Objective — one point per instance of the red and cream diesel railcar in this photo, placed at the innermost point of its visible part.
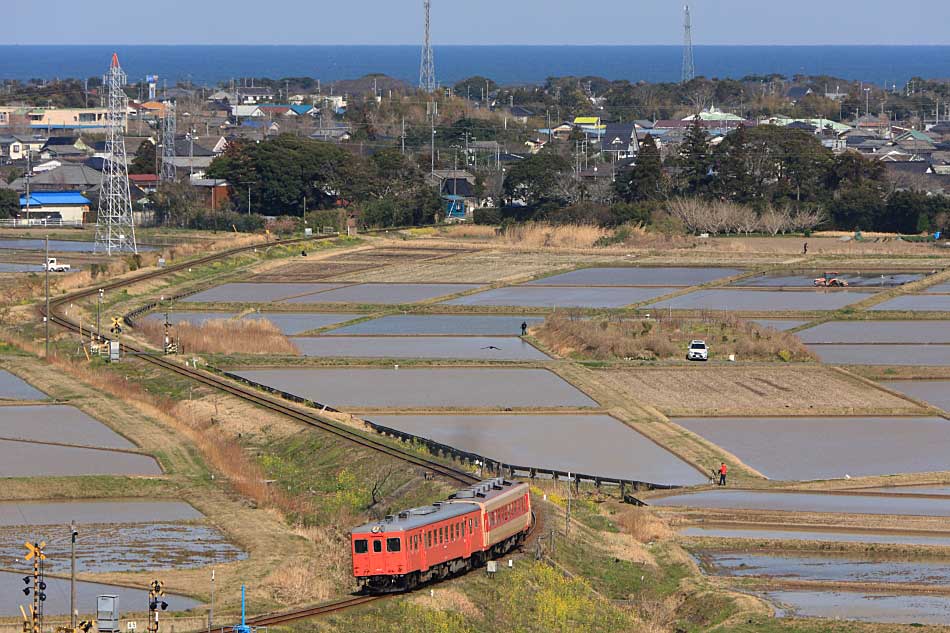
(433, 542)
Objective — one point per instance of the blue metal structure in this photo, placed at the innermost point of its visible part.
(242, 627)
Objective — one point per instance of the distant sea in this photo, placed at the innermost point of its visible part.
(209, 65)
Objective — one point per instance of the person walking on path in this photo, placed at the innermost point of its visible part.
(722, 474)
(524, 328)
(805, 249)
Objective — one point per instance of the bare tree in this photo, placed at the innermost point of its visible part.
(807, 219)
(378, 482)
(774, 220)
(689, 211)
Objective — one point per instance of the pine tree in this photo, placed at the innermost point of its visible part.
(144, 161)
(694, 159)
(643, 181)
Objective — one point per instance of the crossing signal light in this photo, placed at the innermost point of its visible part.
(116, 325)
(26, 591)
(42, 585)
(42, 597)
(27, 579)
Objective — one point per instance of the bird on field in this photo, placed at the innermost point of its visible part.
(492, 347)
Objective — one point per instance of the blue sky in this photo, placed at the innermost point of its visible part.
(476, 22)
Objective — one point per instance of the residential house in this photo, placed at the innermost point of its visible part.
(332, 132)
(66, 177)
(71, 119)
(241, 112)
(520, 114)
(68, 206)
(148, 183)
(66, 148)
(252, 95)
(797, 93)
(13, 148)
(213, 192)
(619, 141)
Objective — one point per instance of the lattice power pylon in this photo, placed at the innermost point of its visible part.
(168, 143)
(115, 228)
(427, 66)
(689, 69)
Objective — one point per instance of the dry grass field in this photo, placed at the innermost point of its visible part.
(753, 390)
(222, 336)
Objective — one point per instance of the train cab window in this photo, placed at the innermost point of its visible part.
(377, 546)
(393, 545)
(361, 546)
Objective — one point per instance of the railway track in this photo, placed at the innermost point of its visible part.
(249, 394)
(252, 395)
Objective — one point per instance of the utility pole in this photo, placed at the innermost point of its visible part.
(46, 317)
(567, 514)
(403, 137)
(99, 315)
(74, 532)
(432, 145)
(211, 611)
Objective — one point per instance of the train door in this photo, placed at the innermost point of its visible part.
(377, 548)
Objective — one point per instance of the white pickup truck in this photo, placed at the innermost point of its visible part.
(56, 267)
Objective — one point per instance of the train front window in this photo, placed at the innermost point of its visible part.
(361, 546)
(377, 546)
(393, 545)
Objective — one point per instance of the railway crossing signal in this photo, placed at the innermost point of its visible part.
(34, 552)
(156, 599)
(116, 325)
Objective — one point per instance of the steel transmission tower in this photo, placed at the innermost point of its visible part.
(168, 143)
(427, 66)
(115, 229)
(689, 70)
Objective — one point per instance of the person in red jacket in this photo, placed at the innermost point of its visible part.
(722, 474)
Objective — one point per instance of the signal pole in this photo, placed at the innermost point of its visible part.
(74, 532)
(34, 552)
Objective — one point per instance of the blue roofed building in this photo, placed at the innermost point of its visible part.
(70, 207)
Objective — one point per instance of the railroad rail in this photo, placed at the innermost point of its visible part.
(247, 393)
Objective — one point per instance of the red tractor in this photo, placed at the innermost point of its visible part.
(830, 280)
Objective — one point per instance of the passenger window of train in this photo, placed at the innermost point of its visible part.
(361, 546)
(393, 545)
(429, 538)
(441, 536)
(377, 546)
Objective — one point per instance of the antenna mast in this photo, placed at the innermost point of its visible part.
(427, 66)
(689, 70)
(115, 230)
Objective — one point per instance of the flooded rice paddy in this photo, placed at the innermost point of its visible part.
(291, 323)
(25, 459)
(420, 388)
(126, 548)
(845, 605)
(57, 596)
(935, 392)
(943, 288)
(830, 447)
(60, 246)
(94, 511)
(878, 332)
(630, 276)
(8, 267)
(562, 296)
(588, 444)
(385, 293)
(430, 347)
(943, 491)
(439, 324)
(827, 568)
(807, 279)
(824, 536)
(12, 387)
(925, 355)
(807, 502)
(58, 424)
(917, 303)
(252, 292)
(763, 300)
(780, 325)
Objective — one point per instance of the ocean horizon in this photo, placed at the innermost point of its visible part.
(210, 65)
